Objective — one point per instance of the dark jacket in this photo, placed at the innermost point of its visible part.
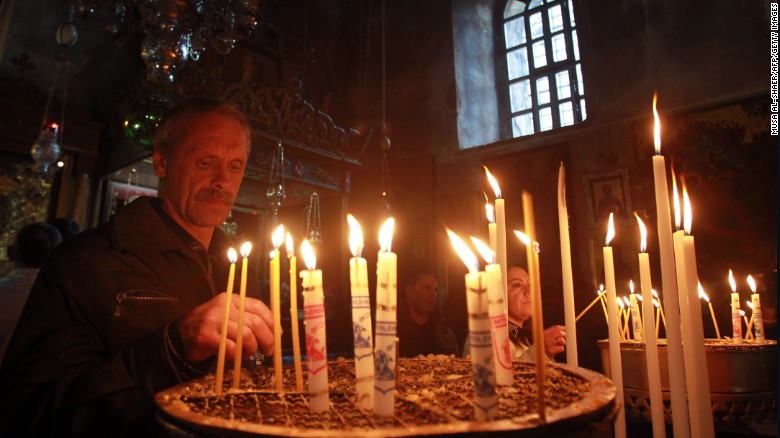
(98, 336)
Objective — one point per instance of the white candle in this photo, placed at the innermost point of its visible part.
(736, 322)
(502, 358)
(314, 323)
(386, 302)
(699, 405)
(500, 231)
(566, 272)
(275, 283)
(485, 402)
(636, 319)
(651, 342)
(362, 337)
(615, 364)
(491, 217)
(232, 257)
(246, 248)
(532, 254)
(673, 329)
(294, 313)
(758, 317)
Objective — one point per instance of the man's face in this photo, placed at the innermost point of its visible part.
(423, 294)
(204, 171)
(519, 294)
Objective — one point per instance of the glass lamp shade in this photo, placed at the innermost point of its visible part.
(67, 34)
(142, 120)
(46, 150)
(163, 53)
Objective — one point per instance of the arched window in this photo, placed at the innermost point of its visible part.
(543, 71)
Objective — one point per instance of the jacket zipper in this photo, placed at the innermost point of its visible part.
(125, 296)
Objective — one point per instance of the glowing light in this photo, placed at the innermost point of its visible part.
(355, 236)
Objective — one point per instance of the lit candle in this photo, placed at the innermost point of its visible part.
(736, 323)
(314, 323)
(622, 319)
(706, 298)
(532, 254)
(232, 257)
(651, 338)
(500, 231)
(675, 356)
(658, 313)
(592, 303)
(246, 248)
(274, 271)
(749, 322)
(697, 376)
(758, 317)
(502, 358)
(636, 320)
(294, 312)
(485, 403)
(744, 318)
(362, 337)
(603, 298)
(491, 217)
(615, 365)
(566, 271)
(386, 301)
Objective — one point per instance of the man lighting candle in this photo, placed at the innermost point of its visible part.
(151, 314)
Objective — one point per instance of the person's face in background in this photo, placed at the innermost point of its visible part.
(423, 294)
(519, 295)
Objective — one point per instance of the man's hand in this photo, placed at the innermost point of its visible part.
(200, 329)
(554, 340)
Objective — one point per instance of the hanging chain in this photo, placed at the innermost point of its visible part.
(313, 219)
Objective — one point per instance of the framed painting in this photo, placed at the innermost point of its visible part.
(607, 192)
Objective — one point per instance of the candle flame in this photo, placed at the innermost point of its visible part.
(278, 236)
(493, 182)
(232, 255)
(386, 235)
(621, 303)
(309, 259)
(732, 282)
(703, 294)
(750, 304)
(523, 237)
(742, 312)
(465, 254)
(601, 287)
(484, 250)
(639, 297)
(600, 291)
(642, 233)
(355, 236)
(656, 126)
(246, 248)
(687, 212)
(676, 201)
(631, 285)
(491, 215)
(655, 294)
(751, 283)
(626, 300)
(656, 303)
(610, 228)
(289, 244)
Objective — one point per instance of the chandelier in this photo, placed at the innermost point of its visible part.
(175, 30)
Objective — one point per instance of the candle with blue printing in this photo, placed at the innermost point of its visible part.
(757, 317)
(314, 323)
(615, 364)
(386, 323)
(677, 387)
(498, 322)
(736, 322)
(233, 258)
(246, 248)
(362, 337)
(485, 402)
(651, 337)
(275, 283)
(294, 312)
